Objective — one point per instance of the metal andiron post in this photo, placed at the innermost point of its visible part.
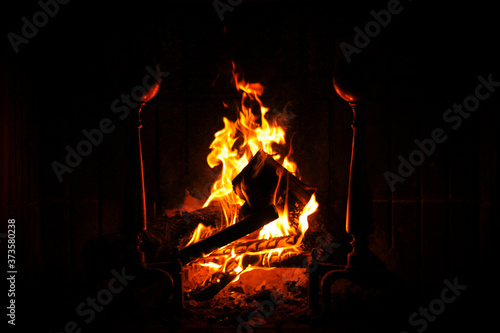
(134, 221)
(359, 221)
(352, 82)
(151, 288)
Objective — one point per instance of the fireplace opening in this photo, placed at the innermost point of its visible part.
(260, 232)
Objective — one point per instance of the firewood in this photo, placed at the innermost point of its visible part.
(257, 182)
(253, 246)
(221, 278)
(219, 282)
(230, 234)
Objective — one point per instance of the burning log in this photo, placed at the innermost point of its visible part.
(254, 246)
(218, 282)
(263, 178)
(208, 216)
(222, 278)
(230, 234)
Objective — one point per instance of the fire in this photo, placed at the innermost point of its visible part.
(232, 148)
(255, 137)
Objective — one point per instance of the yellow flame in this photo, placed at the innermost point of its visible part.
(199, 233)
(211, 265)
(233, 147)
(310, 208)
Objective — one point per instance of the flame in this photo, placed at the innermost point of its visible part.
(232, 148)
(310, 208)
(211, 265)
(199, 233)
(255, 137)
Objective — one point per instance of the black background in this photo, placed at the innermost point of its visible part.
(438, 224)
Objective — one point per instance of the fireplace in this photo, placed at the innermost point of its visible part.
(96, 252)
(255, 222)
(255, 216)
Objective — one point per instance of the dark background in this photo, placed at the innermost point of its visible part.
(440, 223)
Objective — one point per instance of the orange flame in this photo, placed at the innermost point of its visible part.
(255, 137)
(252, 133)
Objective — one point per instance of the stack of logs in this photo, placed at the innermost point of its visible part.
(263, 184)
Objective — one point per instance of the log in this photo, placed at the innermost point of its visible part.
(208, 216)
(230, 234)
(257, 182)
(220, 279)
(208, 292)
(254, 246)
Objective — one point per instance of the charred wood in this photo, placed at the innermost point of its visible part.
(253, 246)
(230, 234)
(264, 180)
(222, 278)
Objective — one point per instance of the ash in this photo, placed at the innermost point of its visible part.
(268, 296)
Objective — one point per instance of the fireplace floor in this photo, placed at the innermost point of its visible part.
(259, 296)
(263, 301)
(268, 300)
(276, 323)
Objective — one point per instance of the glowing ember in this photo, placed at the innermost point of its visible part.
(233, 147)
